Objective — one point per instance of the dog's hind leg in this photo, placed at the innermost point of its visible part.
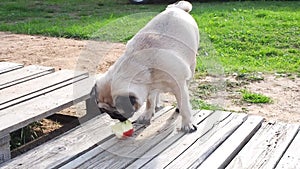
(151, 103)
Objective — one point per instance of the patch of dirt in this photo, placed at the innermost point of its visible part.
(59, 53)
(97, 57)
(284, 91)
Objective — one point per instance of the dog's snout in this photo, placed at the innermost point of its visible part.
(117, 115)
(114, 114)
(126, 105)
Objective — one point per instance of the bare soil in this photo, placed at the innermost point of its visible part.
(96, 57)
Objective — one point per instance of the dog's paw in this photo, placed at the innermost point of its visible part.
(190, 128)
(145, 118)
(157, 108)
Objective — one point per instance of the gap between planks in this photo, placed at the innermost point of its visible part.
(37, 87)
(23, 74)
(40, 107)
(8, 66)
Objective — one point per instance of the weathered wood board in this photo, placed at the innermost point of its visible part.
(266, 147)
(64, 147)
(40, 107)
(205, 129)
(291, 158)
(166, 143)
(227, 151)
(68, 146)
(116, 153)
(203, 147)
(7, 66)
(4, 148)
(22, 75)
(25, 91)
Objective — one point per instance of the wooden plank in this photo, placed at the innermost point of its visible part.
(23, 74)
(226, 152)
(64, 147)
(266, 147)
(68, 146)
(40, 107)
(8, 66)
(98, 149)
(208, 126)
(163, 145)
(4, 149)
(114, 152)
(204, 147)
(291, 158)
(36, 87)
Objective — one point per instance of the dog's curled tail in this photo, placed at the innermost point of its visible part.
(184, 5)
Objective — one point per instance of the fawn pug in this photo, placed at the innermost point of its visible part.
(161, 57)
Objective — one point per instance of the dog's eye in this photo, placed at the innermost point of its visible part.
(132, 100)
(102, 110)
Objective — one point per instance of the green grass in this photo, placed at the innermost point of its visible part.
(251, 97)
(198, 104)
(72, 19)
(252, 36)
(238, 37)
(25, 135)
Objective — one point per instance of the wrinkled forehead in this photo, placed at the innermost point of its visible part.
(100, 99)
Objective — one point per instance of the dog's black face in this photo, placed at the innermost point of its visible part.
(125, 108)
(106, 107)
(126, 105)
(122, 108)
(114, 114)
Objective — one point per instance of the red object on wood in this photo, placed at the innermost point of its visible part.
(128, 133)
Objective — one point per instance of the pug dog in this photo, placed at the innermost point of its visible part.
(161, 57)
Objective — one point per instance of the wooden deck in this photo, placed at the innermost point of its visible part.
(223, 140)
(29, 94)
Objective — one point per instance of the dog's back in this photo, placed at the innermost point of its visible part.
(173, 29)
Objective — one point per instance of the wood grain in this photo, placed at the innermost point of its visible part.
(205, 128)
(291, 158)
(4, 149)
(66, 146)
(266, 147)
(89, 156)
(116, 153)
(163, 145)
(203, 147)
(227, 151)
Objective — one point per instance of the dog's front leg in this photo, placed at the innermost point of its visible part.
(145, 118)
(185, 110)
(158, 106)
